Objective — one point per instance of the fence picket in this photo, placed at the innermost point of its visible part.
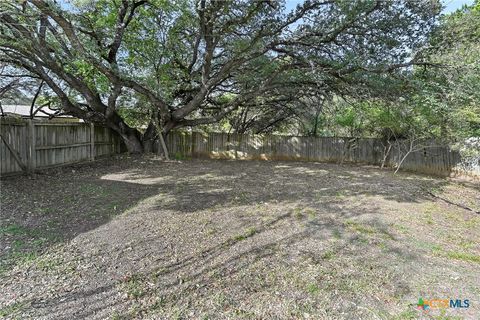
(440, 160)
(43, 144)
(51, 144)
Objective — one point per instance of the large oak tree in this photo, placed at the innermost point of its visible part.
(186, 63)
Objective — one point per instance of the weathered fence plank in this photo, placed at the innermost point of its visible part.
(13, 135)
(42, 144)
(437, 160)
(15, 154)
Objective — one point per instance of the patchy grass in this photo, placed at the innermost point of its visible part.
(12, 309)
(313, 288)
(464, 256)
(328, 255)
(134, 286)
(247, 234)
(23, 244)
(141, 238)
(14, 229)
(361, 228)
(298, 213)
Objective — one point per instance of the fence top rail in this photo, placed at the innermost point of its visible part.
(13, 121)
(62, 124)
(429, 143)
(206, 134)
(55, 121)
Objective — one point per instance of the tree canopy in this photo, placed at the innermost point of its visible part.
(439, 100)
(187, 63)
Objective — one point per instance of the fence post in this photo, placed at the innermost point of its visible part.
(92, 142)
(118, 143)
(31, 147)
(193, 136)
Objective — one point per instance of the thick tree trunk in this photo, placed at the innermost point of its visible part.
(133, 143)
(130, 136)
(138, 143)
(148, 138)
(148, 145)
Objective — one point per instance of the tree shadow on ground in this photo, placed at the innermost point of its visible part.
(246, 183)
(308, 198)
(58, 205)
(202, 271)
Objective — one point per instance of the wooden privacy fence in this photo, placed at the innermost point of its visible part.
(273, 147)
(434, 159)
(26, 145)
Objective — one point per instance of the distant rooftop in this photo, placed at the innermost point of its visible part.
(24, 111)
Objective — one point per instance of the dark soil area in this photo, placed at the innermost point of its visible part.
(143, 238)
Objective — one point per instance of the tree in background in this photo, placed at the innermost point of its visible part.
(188, 63)
(439, 101)
(454, 89)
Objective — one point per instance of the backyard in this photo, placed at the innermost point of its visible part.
(137, 237)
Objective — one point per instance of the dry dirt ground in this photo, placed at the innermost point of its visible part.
(142, 238)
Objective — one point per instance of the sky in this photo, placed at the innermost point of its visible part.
(450, 5)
